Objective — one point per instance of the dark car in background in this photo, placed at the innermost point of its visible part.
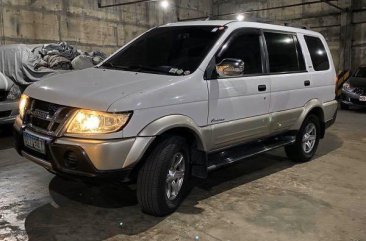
(354, 90)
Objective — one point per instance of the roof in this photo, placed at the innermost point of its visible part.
(200, 23)
(238, 24)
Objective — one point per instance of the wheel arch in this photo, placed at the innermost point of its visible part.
(177, 125)
(312, 107)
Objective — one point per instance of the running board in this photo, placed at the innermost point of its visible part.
(235, 154)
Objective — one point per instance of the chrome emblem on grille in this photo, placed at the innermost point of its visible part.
(41, 114)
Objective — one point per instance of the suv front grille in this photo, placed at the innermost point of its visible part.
(46, 117)
(360, 91)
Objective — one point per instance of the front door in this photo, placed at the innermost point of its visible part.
(239, 105)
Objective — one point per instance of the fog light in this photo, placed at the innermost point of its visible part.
(71, 160)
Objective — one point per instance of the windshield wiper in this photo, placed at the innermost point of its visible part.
(110, 65)
(138, 68)
(149, 69)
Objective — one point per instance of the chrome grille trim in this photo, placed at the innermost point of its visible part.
(47, 118)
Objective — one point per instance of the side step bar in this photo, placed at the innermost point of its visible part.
(235, 154)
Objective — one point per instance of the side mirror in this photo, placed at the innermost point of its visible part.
(230, 68)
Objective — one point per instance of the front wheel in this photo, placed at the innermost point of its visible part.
(307, 141)
(162, 180)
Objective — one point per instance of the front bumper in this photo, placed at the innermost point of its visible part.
(352, 99)
(84, 158)
(8, 112)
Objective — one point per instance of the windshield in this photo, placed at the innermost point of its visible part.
(167, 50)
(361, 73)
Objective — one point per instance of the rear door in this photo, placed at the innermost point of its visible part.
(289, 78)
(238, 106)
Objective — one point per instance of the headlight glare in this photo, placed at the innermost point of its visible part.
(23, 103)
(95, 122)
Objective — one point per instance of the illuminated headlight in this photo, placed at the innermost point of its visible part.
(23, 103)
(14, 93)
(94, 122)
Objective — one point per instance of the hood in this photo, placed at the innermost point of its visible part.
(357, 82)
(95, 88)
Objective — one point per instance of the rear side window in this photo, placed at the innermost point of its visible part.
(318, 53)
(284, 53)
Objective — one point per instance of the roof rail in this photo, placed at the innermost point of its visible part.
(294, 25)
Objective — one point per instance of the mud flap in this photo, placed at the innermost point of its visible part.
(199, 164)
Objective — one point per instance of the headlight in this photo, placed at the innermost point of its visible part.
(94, 122)
(23, 103)
(347, 86)
(14, 93)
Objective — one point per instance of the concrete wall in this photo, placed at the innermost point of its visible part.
(82, 23)
(319, 17)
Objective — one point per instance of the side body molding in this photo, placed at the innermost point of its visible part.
(170, 122)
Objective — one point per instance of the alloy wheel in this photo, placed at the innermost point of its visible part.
(175, 176)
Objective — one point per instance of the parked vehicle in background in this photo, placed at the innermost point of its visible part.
(354, 90)
(9, 99)
(179, 101)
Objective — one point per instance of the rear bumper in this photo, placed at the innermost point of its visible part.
(329, 123)
(105, 159)
(330, 112)
(8, 112)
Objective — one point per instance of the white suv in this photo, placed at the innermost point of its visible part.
(181, 100)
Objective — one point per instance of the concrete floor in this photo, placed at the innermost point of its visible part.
(263, 198)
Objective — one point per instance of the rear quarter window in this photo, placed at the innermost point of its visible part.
(318, 53)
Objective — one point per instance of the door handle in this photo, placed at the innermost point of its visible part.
(307, 82)
(262, 88)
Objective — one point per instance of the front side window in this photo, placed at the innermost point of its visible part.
(167, 50)
(284, 53)
(318, 53)
(245, 47)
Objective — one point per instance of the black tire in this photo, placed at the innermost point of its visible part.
(296, 152)
(344, 106)
(152, 177)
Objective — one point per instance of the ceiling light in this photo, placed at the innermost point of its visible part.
(240, 17)
(164, 4)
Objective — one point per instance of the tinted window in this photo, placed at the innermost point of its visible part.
(167, 50)
(284, 53)
(318, 54)
(245, 46)
(361, 72)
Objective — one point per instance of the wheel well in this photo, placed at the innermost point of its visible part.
(191, 137)
(320, 114)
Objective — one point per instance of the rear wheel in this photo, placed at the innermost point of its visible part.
(162, 180)
(307, 141)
